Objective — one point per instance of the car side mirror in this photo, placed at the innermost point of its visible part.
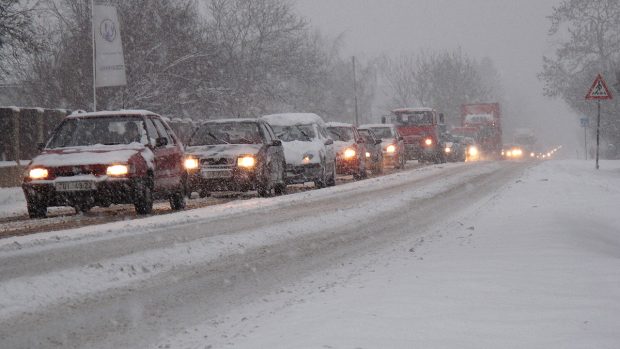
(277, 143)
(40, 146)
(377, 141)
(161, 142)
(401, 138)
(360, 141)
(329, 141)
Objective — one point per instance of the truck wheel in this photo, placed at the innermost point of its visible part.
(36, 209)
(143, 197)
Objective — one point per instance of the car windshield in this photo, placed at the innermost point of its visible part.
(462, 132)
(290, 133)
(414, 118)
(382, 132)
(367, 136)
(75, 132)
(226, 133)
(344, 134)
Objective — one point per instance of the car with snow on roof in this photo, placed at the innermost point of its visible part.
(308, 150)
(392, 143)
(107, 157)
(235, 155)
(350, 149)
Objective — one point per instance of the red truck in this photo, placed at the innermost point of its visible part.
(421, 129)
(486, 119)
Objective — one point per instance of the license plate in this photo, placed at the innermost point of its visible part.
(74, 186)
(216, 173)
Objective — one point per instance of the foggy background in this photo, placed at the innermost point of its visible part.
(513, 34)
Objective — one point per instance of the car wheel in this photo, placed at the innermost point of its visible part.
(203, 193)
(280, 189)
(177, 201)
(36, 209)
(143, 197)
(332, 179)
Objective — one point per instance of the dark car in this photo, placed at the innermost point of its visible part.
(455, 148)
(374, 150)
(392, 143)
(235, 155)
(104, 158)
(350, 149)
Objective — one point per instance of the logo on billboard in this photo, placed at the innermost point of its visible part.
(107, 29)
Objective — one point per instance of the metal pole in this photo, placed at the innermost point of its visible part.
(355, 92)
(598, 129)
(585, 140)
(92, 10)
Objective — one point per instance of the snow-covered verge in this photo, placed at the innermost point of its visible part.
(12, 202)
(535, 266)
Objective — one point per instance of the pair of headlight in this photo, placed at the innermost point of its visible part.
(112, 170)
(245, 161)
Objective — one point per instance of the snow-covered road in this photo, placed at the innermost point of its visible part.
(293, 271)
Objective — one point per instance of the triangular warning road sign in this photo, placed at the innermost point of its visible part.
(599, 89)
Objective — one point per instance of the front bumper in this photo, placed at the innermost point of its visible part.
(103, 193)
(235, 180)
(299, 174)
(347, 166)
(418, 152)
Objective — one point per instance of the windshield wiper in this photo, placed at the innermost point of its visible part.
(217, 139)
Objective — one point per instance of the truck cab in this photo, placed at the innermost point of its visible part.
(421, 129)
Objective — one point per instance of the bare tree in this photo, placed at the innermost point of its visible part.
(592, 46)
(17, 33)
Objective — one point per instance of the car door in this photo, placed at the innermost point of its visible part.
(168, 158)
(272, 159)
(330, 152)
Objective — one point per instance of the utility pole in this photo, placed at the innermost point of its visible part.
(355, 93)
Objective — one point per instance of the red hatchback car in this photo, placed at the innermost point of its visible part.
(104, 158)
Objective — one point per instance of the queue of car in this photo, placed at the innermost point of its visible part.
(135, 157)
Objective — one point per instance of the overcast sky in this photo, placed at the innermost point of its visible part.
(513, 33)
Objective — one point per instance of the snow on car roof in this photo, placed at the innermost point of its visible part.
(229, 120)
(286, 119)
(82, 114)
(375, 125)
(409, 110)
(337, 124)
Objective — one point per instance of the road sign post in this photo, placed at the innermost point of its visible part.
(598, 92)
(585, 122)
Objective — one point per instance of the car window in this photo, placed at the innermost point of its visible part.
(161, 130)
(99, 130)
(152, 131)
(213, 133)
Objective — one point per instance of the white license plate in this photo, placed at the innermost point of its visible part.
(216, 174)
(74, 186)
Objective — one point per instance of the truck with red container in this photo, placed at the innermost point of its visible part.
(421, 129)
(485, 118)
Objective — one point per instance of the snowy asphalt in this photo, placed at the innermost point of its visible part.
(133, 284)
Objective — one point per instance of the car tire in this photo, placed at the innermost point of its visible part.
(143, 197)
(177, 201)
(332, 179)
(36, 209)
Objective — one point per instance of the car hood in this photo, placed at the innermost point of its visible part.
(223, 150)
(294, 151)
(339, 146)
(91, 155)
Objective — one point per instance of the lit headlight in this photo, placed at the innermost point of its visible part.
(191, 164)
(390, 148)
(117, 170)
(509, 153)
(473, 151)
(428, 141)
(367, 154)
(38, 173)
(517, 152)
(532, 155)
(447, 150)
(247, 161)
(349, 153)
